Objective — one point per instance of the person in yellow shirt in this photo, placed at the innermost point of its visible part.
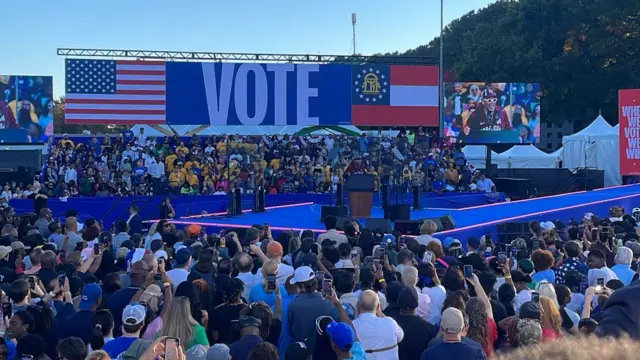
(275, 163)
(192, 178)
(176, 179)
(182, 149)
(169, 161)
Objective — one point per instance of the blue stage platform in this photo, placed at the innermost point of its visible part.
(470, 221)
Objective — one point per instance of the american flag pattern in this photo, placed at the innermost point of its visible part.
(124, 92)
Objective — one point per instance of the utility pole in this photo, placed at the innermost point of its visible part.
(353, 25)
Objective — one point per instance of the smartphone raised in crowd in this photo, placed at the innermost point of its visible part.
(61, 279)
(594, 234)
(599, 285)
(427, 257)
(171, 346)
(468, 271)
(32, 281)
(376, 264)
(327, 287)
(96, 249)
(535, 296)
(271, 282)
(502, 258)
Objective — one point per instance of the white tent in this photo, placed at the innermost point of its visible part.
(528, 156)
(477, 155)
(596, 146)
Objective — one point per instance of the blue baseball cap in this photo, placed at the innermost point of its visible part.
(389, 239)
(182, 256)
(342, 335)
(91, 293)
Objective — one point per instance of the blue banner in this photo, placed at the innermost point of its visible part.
(258, 94)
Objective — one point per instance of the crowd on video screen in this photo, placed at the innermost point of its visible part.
(478, 112)
(26, 102)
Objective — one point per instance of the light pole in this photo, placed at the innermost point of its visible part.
(441, 72)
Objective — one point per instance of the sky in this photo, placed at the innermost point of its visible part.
(249, 26)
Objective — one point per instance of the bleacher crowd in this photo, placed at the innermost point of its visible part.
(137, 164)
(73, 290)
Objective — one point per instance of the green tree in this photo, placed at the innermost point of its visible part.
(580, 51)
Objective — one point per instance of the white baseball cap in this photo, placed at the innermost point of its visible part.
(302, 274)
(133, 314)
(588, 216)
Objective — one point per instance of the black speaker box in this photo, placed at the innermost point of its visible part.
(400, 212)
(336, 211)
(408, 227)
(340, 221)
(374, 223)
(447, 222)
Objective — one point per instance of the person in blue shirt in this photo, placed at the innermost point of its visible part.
(127, 136)
(622, 269)
(543, 261)
(344, 341)
(286, 338)
(139, 171)
(259, 292)
(81, 323)
(453, 329)
(132, 322)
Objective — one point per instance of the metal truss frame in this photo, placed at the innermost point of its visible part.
(248, 57)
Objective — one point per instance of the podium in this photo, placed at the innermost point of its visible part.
(360, 188)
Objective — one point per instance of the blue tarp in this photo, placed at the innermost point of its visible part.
(111, 209)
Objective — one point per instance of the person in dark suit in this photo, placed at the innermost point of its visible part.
(135, 221)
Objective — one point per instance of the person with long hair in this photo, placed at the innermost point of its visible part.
(322, 342)
(570, 319)
(188, 290)
(103, 331)
(551, 319)
(222, 316)
(506, 296)
(477, 331)
(261, 292)
(269, 329)
(179, 323)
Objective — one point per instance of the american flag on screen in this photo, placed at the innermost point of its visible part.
(115, 92)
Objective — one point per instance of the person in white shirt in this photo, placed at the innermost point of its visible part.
(379, 335)
(523, 293)
(330, 223)
(244, 263)
(485, 185)
(180, 271)
(427, 229)
(436, 292)
(345, 261)
(6, 193)
(71, 174)
(141, 139)
(410, 279)
(275, 252)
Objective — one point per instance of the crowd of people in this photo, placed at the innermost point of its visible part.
(137, 164)
(72, 290)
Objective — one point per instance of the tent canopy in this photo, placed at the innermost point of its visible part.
(596, 146)
(527, 157)
(477, 155)
(327, 130)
